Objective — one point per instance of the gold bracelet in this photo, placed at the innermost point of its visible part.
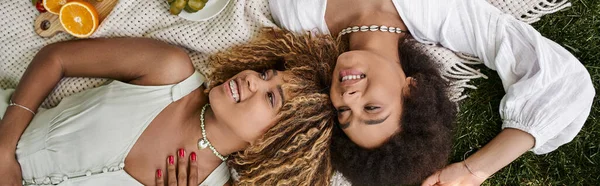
(11, 103)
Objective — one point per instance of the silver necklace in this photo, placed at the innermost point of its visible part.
(371, 28)
(203, 143)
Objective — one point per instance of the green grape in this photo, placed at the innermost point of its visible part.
(194, 5)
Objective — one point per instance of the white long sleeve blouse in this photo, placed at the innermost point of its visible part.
(549, 93)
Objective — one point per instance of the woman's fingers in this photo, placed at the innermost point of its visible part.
(177, 174)
(181, 168)
(432, 180)
(159, 179)
(193, 179)
(171, 171)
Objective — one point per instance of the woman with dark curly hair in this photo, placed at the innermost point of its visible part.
(423, 143)
(394, 117)
(274, 124)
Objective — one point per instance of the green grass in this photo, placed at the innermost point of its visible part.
(577, 163)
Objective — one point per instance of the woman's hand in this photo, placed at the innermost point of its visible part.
(455, 174)
(177, 173)
(10, 169)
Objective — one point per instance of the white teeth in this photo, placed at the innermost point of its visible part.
(234, 90)
(352, 77)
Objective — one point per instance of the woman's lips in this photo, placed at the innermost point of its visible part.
(232, 88)
(351, 76)
(347, 72)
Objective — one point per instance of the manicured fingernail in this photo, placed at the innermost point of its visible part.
(159, 173)
(181, 153)
(193, 156)
(171, 160)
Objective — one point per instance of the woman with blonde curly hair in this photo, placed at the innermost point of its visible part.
(269, 113)
(293, 152)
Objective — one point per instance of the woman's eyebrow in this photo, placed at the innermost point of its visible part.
(344, 125)
(274, 72)
(280, 90)
(367, 122)
(376, 121)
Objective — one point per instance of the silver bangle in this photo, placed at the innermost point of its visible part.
(469, 169)
(11, 103)
(467, 166)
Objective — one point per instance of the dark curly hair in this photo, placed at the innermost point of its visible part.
(423, 144)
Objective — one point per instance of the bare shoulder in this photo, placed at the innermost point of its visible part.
(173, 66)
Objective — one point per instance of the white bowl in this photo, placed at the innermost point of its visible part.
(210, 10)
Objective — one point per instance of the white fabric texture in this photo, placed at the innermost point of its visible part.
(300, 16)
(86, 138)
(239, 22)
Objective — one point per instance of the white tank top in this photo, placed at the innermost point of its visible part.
(85, 139)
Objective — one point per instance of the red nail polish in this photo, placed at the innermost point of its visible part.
(181, 153)
(171, 160)
(159, 173)
(193, 156)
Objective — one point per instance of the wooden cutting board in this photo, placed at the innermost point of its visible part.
(48, 24)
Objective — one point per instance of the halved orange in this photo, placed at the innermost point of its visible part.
(53, 6)
(79, 18)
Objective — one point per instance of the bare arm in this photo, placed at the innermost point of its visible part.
(134, 60)
(533, 70)
(501, 151)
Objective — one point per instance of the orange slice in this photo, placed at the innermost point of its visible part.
(79, 18)
(53, 6)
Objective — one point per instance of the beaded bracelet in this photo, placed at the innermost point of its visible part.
(11, 103)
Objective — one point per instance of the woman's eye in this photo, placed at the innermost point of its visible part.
(371, 108)
(263, 75)
(271, 98)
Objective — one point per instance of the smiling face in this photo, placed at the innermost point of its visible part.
(367, 92)
(248, 103)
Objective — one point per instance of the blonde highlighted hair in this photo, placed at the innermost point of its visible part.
(295, 151)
